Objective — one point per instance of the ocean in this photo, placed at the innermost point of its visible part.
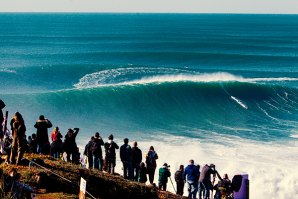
(216, 88)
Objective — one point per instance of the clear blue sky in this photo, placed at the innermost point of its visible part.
(168, 6)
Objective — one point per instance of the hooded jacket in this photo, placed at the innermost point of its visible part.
(42, 126)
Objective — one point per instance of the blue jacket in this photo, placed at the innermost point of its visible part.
(192, 173)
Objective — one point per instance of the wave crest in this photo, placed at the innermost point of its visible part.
(142, 75)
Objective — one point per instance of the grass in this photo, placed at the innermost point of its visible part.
(101, 185)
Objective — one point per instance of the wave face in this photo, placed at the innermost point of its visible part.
(177, 102)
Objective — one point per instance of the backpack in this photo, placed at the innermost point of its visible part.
(94, 147)
(150, 159)
(178, 176)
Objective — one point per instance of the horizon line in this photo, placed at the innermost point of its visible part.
(184, 13)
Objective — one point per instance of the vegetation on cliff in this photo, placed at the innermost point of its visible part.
(58, 179)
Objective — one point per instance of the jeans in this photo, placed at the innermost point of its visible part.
(127, 169)
(192, 189)
(200, 189)
(56, 155)
(135, 172)
(111, 163)
(206, 188)
(90, 161)
(43, 148)
(97, 163)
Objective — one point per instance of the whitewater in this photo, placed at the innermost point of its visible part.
(219, 89)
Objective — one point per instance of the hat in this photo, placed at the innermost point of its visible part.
(111, 137)
(70, 130)
(96, 134)
(41, 117)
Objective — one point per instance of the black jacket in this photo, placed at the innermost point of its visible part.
(70, 144)
(42, 126)
(96, 147)
(111, 150)
(125, 153)
(136, 156)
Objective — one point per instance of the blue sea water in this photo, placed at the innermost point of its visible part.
(182, 74)
(214, 87)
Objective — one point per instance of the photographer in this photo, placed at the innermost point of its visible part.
(42, 136)
(164, 173)
(70, 145)
(15, 187)
(205, 179)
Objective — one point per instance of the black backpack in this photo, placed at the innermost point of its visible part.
(178, 176)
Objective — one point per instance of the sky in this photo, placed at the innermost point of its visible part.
(152, 6)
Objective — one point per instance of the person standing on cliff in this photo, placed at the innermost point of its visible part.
(192, 173)
(96, 151)
(2, 105)
(151, 158)
(70, 145)
(126, 158)
(42, 136)
(56, 146)
(18, 132)
(205, 179)
(136, 160)
(179, 180)
(110, 148)
(88, 152)
(164, 174)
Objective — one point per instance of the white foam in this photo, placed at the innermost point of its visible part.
(5, 70)
(294, 136)
(118, 76)
(239, 102)
(272, 168)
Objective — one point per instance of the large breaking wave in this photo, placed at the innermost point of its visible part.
(175, 101)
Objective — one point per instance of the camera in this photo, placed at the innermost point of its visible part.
(166, 165)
